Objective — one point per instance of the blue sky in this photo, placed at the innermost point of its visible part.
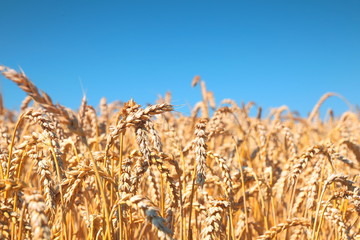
(270, 52)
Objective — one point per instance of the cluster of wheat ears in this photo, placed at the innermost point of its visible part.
(131, 172)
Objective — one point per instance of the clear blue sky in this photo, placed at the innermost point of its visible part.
(270, 52)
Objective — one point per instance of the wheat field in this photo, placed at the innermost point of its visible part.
(123, 171)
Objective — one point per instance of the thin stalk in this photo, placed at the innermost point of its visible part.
(231, 224)
(19, 232)
(243, 189)
(59, 173)
(16, 195)
(182, 219)
(120, 172)
(102, 192)
(272, 201)
(191, 202)
(11, 148)
(292, 199)
(317, 211)
(263, 212)
(162, 195)
(321, 220)
(183, 185)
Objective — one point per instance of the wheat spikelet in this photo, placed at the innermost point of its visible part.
(273, 231)
(216, 124)
(151, 213)
(137, 117)
(195, 81)
(225, 170)
(46, 177)
(313, 186)
(48, 127)
(43, 99)
(304, 159)
(200, 151)
(334, 215)
(213, 220)
(38, 220)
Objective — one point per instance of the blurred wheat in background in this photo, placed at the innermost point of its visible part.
(132, 172)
